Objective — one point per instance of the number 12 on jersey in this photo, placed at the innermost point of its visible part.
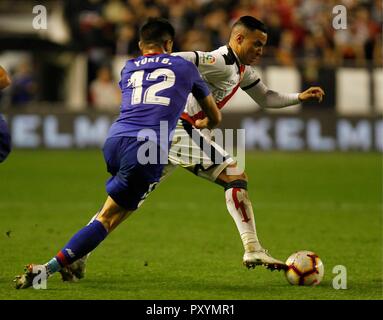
(149, 96)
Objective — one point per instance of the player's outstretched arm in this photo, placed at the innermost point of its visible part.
(5, 81)
(212, 112)
(267, 98)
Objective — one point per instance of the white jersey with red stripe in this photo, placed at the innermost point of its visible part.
(224, 74)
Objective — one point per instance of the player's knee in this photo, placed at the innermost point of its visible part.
(226, 177)
(229, 181)
(243, 176)
(233, 172)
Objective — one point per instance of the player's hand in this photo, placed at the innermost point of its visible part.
(202, 123)
(312, 93)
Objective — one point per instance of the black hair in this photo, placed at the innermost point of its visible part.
(251, 23)
(156, 31)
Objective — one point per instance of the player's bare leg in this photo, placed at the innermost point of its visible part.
(84, 241)
(234, 182)
(76, 270)
(112, 215)
(241, 210)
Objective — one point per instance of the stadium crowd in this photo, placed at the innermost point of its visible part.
(297, 28)
(301, 34)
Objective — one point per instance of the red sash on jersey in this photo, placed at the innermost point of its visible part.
(220, 104)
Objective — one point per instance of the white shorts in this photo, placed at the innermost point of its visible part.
(195, 151)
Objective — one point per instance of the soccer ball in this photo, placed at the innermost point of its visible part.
(304, 269)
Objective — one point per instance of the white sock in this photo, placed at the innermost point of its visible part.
(240, 208)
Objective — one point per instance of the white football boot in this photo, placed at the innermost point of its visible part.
(262, 258)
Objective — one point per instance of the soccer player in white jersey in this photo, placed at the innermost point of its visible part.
(225, 70)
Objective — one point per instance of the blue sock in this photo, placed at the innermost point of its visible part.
(81, 243)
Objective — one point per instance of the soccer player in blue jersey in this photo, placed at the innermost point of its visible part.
(155, 87)
(5, 137)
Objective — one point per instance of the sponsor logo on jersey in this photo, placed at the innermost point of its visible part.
(207, 59)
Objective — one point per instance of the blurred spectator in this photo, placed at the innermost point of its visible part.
(24, 85)
(216, 23)
(116, 12)
(127, 40)
(246, 8)
(286, 9)
(176, 17)
(153, 11)
(110, 24)
(104, 93)
(285, 52)
(300, 33)
(88, 26)
(139, 9)
(309, 11)
(195, 40)
(349, 43)
(274, 28)
(377, 12)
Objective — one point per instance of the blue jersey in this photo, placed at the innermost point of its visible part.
(154, 89)
(5, 140)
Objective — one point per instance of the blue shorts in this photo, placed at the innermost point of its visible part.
(131, 181)
(5, 140)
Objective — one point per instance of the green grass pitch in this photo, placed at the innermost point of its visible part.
(182, 243)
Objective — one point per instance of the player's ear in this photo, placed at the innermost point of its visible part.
(168, 45)
(239, 38)
(140, 45)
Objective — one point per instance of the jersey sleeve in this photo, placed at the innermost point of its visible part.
(267, 98)
(262, 95)
(211, 65)
(190, 56)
